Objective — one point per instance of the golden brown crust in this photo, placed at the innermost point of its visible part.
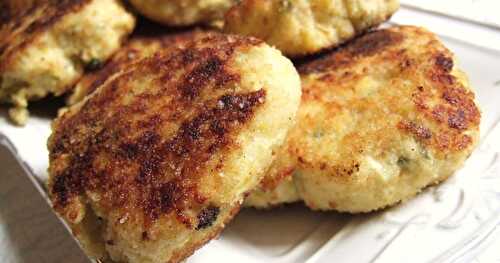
(457, 111)
(453, 109)
(380, 118)
(19, 28)
(142, 44)
(175, 13)
(45, 46)
(103, 149)
(154, 161)
(304, 27)
(271, 182)
(347, 55)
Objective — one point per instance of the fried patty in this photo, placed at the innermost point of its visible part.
(183, 12)
(380, 119)
(138, 47)
(45, 47)
(302, 27)
(157, 160)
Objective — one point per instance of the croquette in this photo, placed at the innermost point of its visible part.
(45, 48)
(154, 163)
(304, 27)
(380, 119)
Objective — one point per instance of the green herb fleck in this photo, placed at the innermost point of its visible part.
(318, 134)
(403, 161)
(93, 64)
(425, 153)
(284, 6)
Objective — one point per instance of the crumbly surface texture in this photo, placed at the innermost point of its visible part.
(46, 46)
(277, 187)
(380, 119)
(158, 159)
(183, 12)
(138, 47)
(302, 27)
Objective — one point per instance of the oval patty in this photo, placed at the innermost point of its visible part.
(380, 119)
(152, 165)
(302, 27)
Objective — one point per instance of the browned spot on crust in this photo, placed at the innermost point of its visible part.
(457, 111)
(21, 26)
(444, 62)
(419, 131)
(373, 42)
(462, 111)
(269, 183)
(457, 120)
(364, 46)
(5, 13)
(438, 113)
(207, 217)
(453, 141)
(344, 171)
(200, 76)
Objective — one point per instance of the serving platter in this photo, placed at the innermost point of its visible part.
(456, 221)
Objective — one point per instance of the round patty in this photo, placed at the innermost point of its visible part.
(380, 119)
(301, 27)
(182, 12)
(45, 48)
(158, 159)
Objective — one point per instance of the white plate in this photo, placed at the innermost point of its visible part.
(453, 222)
